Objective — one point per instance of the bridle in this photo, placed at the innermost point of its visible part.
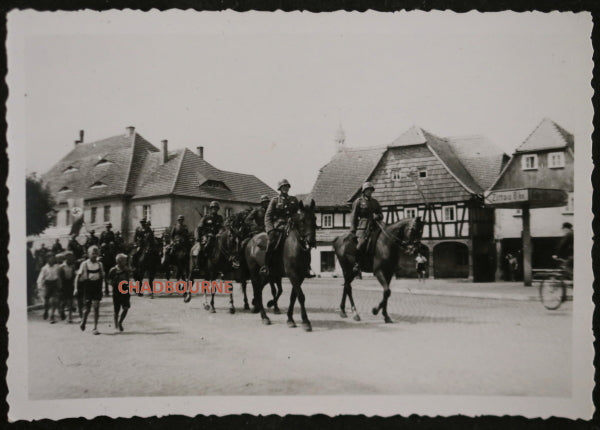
(303, 241)
(407, 244)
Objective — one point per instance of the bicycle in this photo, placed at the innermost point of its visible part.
(553, 288)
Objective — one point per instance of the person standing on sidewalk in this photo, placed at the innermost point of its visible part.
(421, 260)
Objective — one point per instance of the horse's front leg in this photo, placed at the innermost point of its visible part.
(355, 314)
(384, 279)
(243, 283)
(297, 285)
(212, 302)
(231, 305)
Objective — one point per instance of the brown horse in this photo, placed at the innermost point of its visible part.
(403, 236)
(293, 261)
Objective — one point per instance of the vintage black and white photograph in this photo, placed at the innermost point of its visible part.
(223, 212)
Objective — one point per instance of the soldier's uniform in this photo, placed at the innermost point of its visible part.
(92, 240)
(256, 218)
(107, 236)
(277, 216)
(210, 226)
(57, 248)
(180, 233)
(365, 210)
(138, 240)
(75, 248)
(119, 242)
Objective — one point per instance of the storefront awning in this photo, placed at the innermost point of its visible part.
(531, 197)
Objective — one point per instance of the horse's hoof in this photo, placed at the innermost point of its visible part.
(375, 311)
(213, 311)
(291, 324)
(343, 314)
(246, 307)
(187, 298)
(206, 306)
(356, 317)
(140, 294)
(270, 303)
(266, 321)
(231, 310)
(276, 311)
(151, 296)
(306, 326)
(388, 320)
(255, 310)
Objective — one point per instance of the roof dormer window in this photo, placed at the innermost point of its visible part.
(103, 162)
(214, 184)
(97, 184)
(65, 190)
(529, 162)
(70, 169)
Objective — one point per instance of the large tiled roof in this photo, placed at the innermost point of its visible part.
(547, 135)
(339, 179)
(187, 174)
(133, 166)
(98, 169)
(482, 158)
(473, 161)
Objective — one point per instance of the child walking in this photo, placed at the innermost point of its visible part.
(66, 272)
(90, 277)
(121, 300)
(49, 280)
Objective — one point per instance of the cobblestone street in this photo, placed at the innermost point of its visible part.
(437, 345)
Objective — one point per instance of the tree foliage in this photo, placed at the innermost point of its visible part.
(39, 205)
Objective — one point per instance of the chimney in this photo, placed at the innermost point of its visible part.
(130, 131)
(200, 151)
(80, 138)
(340, 139)
(165, 150)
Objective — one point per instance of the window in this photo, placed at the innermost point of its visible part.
(422, 172)
(65, 190)
(396, 174)
(93, 215)
(103, 162)
(327, 220)
(570, 204)
(106, 213)
(68, 217)
(529, 162)
(98, 184)
(449, 213)
(70, 169)
(410, 212)
(147, 212)
(556, 160)
(228, 212)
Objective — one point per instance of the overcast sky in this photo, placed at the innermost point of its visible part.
(265, 93)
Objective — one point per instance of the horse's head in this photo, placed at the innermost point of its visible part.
(414, 232)
(305, 222)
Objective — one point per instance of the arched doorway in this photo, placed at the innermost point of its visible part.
(407, 266)
(450, 260)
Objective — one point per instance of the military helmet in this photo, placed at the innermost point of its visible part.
(143, 221)
(282, 183)
(264, 198)
(367, 185)
(92, 231)
(108, 225)
(180, 217)
(567, 225)
(215, 204)
(148, 223)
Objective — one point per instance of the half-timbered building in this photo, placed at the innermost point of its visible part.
(442, 180)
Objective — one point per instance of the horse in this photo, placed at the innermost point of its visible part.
(404, 235)
(293, 260)
(147, 263)
(178, 259)
(220, 260)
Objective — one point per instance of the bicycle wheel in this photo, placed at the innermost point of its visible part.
(552, 293)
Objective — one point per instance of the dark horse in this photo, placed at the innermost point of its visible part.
(402, 236)
(148, 262)
(293, 261)
(219, 261)
(178, 259)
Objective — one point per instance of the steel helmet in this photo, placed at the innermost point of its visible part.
(108, 225)
(92, 231)
(215, 204)
(179, 217)
(282, 183)
(143, 221)
(264, 198)
(367, 185)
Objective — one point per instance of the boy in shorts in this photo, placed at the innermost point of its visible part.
(49, 281)
(91, 277)
(121, 300)
(66, 272)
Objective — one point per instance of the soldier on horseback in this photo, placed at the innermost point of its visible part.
(210, 226)
(256, 218)
(138, 240)
(180, 236)
(107, 236)
(365, 212)
(277, 216)
(119, 243)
